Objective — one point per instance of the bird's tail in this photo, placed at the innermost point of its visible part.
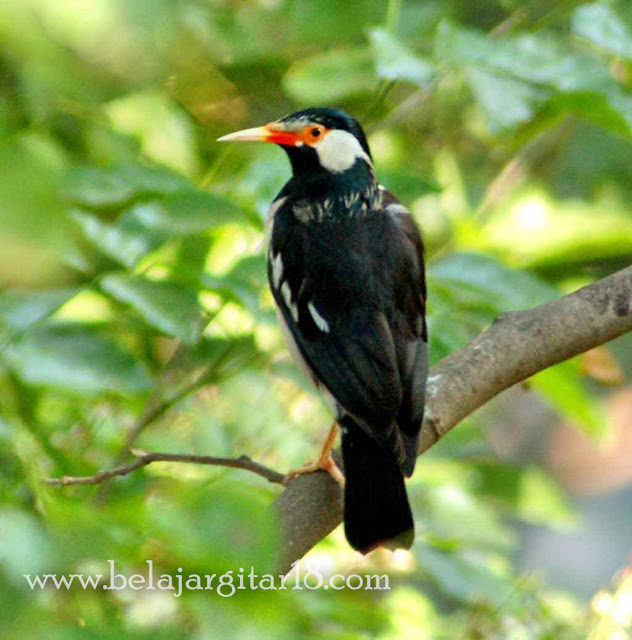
(376, 512)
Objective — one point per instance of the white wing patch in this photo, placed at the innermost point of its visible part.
(277, 270)
(396, 209)
(269, 223)
(320, 322)
(287, 297)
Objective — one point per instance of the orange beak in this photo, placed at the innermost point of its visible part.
(267, 133)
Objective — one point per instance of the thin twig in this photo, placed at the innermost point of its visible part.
(143, 458)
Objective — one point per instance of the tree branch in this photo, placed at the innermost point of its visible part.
(143, 458)
(513, 348)
(516, 346)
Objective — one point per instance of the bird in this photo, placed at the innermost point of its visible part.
(346, 271)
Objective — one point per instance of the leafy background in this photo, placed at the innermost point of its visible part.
(134, 309)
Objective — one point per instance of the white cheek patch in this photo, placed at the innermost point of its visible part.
(339, 150)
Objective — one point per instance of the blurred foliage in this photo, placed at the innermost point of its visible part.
(133, 294)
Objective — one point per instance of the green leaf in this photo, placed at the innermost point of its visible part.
(226, 357)
(164, 305)
(468, 291)
(446, 336)
(465, 575)
(164, 131)
(394, 61)
(407, 185)
(19, 310)
(535, 58)
(612, 110)
(126, 240)
(507, 102)
(542, 501)
(330, 77)
(242, 284)
(250, 271)
(601, 25)
(449, 507)
(457, 312)
(101, 187)
(24, 544)
(242, 526)
(544, 64)
(73, 359)
(563, 388)
(565, 233)
(506, 289)
(190, 212)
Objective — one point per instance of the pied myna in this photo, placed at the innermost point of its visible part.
(346, 268)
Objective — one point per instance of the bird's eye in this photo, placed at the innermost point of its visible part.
(312, 133)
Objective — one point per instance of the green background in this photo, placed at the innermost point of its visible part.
(133, 299)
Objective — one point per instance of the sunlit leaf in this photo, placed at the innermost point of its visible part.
(535, 59)
(126, 240)
(190, 212)
(506, 289)
(332, 76)
(542, 501)
(165, 305)
(164, 131)
(394, 61)
(600, 24)
(19, 309)
(33, 228)
(554, 234)
(101, 187)
(242, 284)
(566, 392)
(76, 360)
(24, 545)
(226, 357)
(466, 576)
(507, 102)
(455, 516)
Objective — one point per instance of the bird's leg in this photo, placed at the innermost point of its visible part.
(325, 461)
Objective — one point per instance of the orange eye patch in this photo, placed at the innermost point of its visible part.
(312, 133)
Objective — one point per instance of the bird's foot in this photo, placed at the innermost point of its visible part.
(324, 463)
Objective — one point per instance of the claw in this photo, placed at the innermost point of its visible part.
(324, 463)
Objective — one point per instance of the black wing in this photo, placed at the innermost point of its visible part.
(351, 292)
(413, 343)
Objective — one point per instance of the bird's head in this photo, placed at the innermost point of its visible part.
(318, 139)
